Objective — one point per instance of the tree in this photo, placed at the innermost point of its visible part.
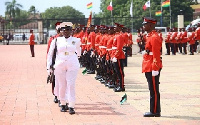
(65, 13)
(121, 11)
(13, 9)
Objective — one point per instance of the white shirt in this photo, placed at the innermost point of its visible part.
(67, 50)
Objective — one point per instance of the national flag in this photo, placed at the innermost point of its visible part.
(146, 5)
(89, 5)
(158, 13)
(109, 7)
(131, 9)
(89, 19)
(166, 3)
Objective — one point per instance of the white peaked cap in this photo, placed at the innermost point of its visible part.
(65, 24)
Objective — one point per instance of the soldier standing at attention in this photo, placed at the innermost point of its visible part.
(152, 65)
(32, 43)
(118, 57)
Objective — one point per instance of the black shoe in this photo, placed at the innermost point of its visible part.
(63, 108)
(167, 54)
(97, 77)
(111, 86)
(149, 114)
(91, 72)
(56, 99)
(66, 106)
(119, 89)
(71, 111)
(59, 104)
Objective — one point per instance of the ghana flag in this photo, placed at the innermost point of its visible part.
(89, 5)
(158, 13)
(166, 3)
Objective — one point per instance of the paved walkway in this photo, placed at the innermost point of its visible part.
(26, 99)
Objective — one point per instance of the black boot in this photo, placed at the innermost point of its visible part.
(56, 99)
(59, 104)
(63, 108)
(119, 89)
(149, 114)
(71, 111)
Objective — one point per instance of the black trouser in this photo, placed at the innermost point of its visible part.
(32, 50)
(125, 49)
(192, 47)
(119, 68)
(153, 83)
(173, 48)
(8, 42)
(168, 48)
(180, 47)
(184, 45)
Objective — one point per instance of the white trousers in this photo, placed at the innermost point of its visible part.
(65, 83)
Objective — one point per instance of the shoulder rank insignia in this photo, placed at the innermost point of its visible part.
(73, 42)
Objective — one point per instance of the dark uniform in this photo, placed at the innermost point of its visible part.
(151, 65)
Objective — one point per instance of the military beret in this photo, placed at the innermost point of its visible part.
(119, 25)
(149, 20)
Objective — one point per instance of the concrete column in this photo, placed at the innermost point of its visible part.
(40, 31)
(180, 21)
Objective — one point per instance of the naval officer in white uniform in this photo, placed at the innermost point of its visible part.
(66, 66)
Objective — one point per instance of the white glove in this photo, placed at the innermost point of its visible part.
(114, 59)
(155, 73)
(92, 54)
(49, 71)
(84, 52)
(143, 52)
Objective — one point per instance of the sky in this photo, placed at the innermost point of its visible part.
(42, 5)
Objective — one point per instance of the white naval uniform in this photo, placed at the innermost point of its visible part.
(66, 67)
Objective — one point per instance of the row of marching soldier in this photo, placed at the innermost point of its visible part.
(103, 52)
(182, 41)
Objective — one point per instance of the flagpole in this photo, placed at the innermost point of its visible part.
(112, 17)
(170, 14)
(150, 8)
(161, 15)
(132, 16)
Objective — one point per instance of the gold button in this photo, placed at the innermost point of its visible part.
(66, 53)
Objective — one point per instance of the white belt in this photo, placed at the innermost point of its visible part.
(100, 47)
(114, 47)
(150, 53)
(68, 53)
(109, 49)
(88, 43)
(96, 44)
(83, 44)
(104, 47)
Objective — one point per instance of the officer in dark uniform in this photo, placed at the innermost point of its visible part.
(152, 65)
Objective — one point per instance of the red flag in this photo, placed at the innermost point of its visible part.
(109, 7)
(89, 19)
(146, 5)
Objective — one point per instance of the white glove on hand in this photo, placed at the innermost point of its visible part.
(114, 59)
(84, 52)
(49, 71)
(143, 52)
(92, 54)
(155, 73)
